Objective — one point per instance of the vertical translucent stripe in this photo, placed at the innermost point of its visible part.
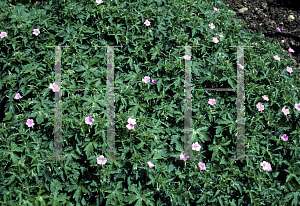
(188, 131)
(110, 104)
(240, 104)
(57, 115)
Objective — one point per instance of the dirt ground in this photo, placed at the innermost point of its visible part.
(267, 15)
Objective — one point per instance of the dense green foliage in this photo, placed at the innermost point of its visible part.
(27, 67)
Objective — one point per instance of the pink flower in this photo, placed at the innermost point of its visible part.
(56, 88)
(146, 79)
(285, 111)
(230, 11)
(297, 106)
(277, 57)
(52, 86)
(150, 164)
(130, 126)
(215, 40)
(184, 157)
(99, 1)
(290, 49)
(187, 57)
(266, 166)
(240, 66)
(216, 9)
(29, 122)
(284, 137)
(260, 107)
(36, 32)
(202, 166)
(17, 96)
(3, 34)
(131, 123)
(147, 22)
(278, 29)
(289, 69)
(154, 81)
(196, 146)
(101, 160)
(265, 98)
(211, 26)
(89, 120)
(212, 101)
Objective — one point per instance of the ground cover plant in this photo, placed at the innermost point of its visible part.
(149, 107)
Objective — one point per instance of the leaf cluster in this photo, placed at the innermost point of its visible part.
(28, 179)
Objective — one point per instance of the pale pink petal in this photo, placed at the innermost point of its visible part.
(202, 166)
(130, 126)
(215, 40)
(30, 122)
(147, 22)
(212, 101)
(289, 69)
(150, 164)
(146, 79)
(101, 160)
(297, 106)
(184, 157)
(17, 96)
(265, 98)
(187, 57)
(284, 137)
(131, 121)
(291, 50)
(196, 146)
(277, 57)
(3, 34)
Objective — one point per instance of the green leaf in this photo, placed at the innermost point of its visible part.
(230, 82)
(290, 176)
(71, 188)
(8, 116)
(11, 178)
(137, 69)
(171, 168)
(55, 186)
(89, 149)
(41, 200)
(159, 83)
(149, 202)
(179, 147)
(77, 195)
(226, 144)
(289, 196)
(157, 155)
(223, 121)
(223, 78)
(134, 110)
(177, 82)
(206, 71)
(219, 129)
(40, 118)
